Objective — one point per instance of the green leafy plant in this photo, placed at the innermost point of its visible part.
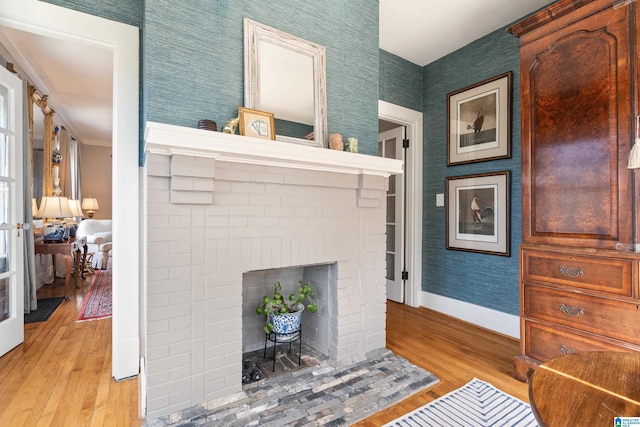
(278, 304)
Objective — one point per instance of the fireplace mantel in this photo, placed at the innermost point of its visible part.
(167, 139)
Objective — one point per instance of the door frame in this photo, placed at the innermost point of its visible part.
(413, 194)
(123, 40)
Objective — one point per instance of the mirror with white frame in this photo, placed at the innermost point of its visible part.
(286, 75)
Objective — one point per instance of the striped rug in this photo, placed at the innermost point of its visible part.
(476, 404)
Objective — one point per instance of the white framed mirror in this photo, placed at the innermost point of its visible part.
(286, 75)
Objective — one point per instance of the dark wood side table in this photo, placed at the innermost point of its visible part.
(67, 250)
(586, 389)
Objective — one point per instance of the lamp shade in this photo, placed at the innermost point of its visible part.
(34, 208)
(54, 207)
(76, 210)
(90, 203)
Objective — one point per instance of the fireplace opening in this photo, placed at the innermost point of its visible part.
(316, 327)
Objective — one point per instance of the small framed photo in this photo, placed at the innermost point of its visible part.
(479, 118)
(256, 123)
(478, 213)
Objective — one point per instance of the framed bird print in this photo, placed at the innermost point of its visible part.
(478, 213)
(479, 122)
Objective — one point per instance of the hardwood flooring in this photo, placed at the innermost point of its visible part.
(61, 375)
(453, 350)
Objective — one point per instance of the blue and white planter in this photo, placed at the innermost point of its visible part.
(286, 323)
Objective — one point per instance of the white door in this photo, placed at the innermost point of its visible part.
(11, 255)
(390, 145)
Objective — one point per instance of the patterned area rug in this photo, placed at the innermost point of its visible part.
(476, 404)
(97, 303)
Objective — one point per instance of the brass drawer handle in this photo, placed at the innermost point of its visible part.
(571, 311)
(571, 272)
(567, 350)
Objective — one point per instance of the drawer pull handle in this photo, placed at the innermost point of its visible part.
(571, 272)
(571, 311)
(566, 350)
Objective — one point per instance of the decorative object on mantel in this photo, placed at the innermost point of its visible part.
(207, 125)
(335, 142)
(256, 123)
(231, 125)
(90, 204)
(352, 145)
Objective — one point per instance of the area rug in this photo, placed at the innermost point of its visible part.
(476, 404)
(46, 307)
(97, 303)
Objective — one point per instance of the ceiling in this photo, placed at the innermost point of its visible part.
(78, 77)
(423, 31)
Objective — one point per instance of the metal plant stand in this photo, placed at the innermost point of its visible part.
(281, 339)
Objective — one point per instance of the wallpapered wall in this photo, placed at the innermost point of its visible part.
(400, 81)
(487, 280)
(193, 54)
(192, 68)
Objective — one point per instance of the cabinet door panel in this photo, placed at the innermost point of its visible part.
(576, 120)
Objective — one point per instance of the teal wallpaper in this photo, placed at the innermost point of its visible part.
(193, 58)
(487, 280)
(192, 68)
(400, 81)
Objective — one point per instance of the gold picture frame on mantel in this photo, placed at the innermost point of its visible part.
(256, 123)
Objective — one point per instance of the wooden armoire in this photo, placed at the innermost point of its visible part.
(579, 254)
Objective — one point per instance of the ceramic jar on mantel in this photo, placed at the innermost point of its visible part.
(335, 142)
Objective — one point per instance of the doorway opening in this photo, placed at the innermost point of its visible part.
(394, 116)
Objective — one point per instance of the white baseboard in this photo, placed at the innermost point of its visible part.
(494, 320)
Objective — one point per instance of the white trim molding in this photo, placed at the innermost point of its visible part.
(503, 323)
(413, 168)
(167, 139)
(123, 40)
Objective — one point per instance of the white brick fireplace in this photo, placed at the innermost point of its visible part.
(220, 206)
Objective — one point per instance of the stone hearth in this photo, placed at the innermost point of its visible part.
(219, 206)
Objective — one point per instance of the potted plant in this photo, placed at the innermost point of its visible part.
(283, 315)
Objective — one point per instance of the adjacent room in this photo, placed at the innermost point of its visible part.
(343, 213)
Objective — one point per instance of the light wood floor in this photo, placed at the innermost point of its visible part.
(453, 350)
(61, 375)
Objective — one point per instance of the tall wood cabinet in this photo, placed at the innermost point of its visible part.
(579, 256)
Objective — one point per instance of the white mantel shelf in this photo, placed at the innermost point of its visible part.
(167, 139)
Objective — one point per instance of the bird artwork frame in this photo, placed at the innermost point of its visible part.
(478, 215)
(479, 121)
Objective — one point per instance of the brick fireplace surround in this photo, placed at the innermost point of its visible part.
(218, 206)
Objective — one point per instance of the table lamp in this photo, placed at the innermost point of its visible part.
(76, 209)
(90, 204)
(76, 212)
(52, 208)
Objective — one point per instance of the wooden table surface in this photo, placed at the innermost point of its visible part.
(67, 249)
(586, 389)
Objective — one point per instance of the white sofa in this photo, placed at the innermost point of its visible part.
(99, 241)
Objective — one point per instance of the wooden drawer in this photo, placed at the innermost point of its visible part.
(609, 275)
(615, 319)
(544, 342)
